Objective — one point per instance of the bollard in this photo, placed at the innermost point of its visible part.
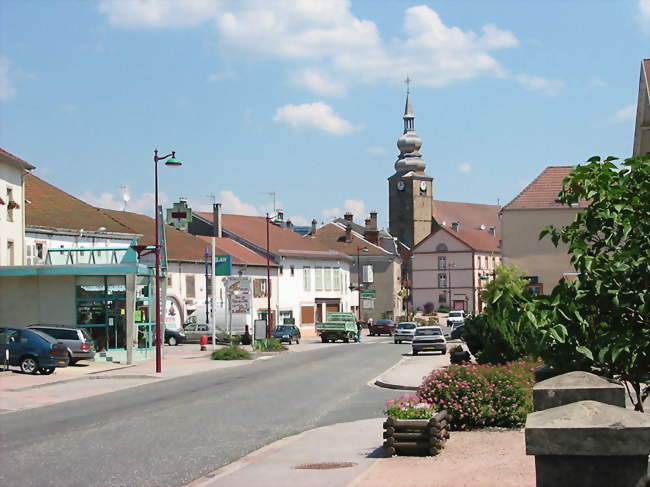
(204, 342)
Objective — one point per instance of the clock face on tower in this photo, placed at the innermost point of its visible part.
(423, 186)
(400, 185)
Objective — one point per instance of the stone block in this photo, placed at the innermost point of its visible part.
(588, 444)
(577, 386)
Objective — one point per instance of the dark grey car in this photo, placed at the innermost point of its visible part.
(80, 345)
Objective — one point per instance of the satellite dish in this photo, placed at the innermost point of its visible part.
(483, 227)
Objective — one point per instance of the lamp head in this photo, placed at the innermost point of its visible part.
(172, 161)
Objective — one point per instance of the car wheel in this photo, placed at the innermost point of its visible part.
(29, 365)
(415, 352)
(323, 339)
(297, 341)
(444, 351)
(172, 341)
(289, 341)
(71, 361)
(46, 370)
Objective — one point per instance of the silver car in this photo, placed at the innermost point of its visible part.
(405, 332)
(80, 345)
(429, 338)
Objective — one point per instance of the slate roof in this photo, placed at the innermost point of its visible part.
(282, 241)
(470, 215)
(543, 191)
(332, 235)
(15, 160)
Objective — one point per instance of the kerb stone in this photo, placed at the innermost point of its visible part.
(577, 386)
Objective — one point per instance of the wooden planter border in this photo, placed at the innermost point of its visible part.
(416, 436)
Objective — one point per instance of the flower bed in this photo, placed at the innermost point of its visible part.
(481, 396)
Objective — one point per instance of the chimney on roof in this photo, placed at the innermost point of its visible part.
(455, 226)
(280, 216)
(493, 231)
(348, 233)
(348, 217)
(216, 220)
(371, 232)
(289, 224)
(313, 228)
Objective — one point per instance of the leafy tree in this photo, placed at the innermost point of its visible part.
(501, 333)
(601, 320)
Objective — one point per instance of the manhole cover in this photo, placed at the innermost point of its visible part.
(325, 465)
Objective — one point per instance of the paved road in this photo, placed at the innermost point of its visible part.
(169, 433)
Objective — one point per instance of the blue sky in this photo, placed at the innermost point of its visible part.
(304, 98)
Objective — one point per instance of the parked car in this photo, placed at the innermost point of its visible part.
(174, 337)
(405, 331)
(80, 344)
(455, 317)
(287, 333)
(457, 332)
(194, 332)
(33, 351)
(380, 327)
(429, 338)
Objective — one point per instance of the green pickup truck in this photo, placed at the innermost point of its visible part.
(338, 326)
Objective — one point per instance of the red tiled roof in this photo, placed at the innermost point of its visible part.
(475, 239)
(332, 235)
(240, 254)
(21, 162)
(282, 241)
(51, 207)
(180, 245)
(470, 215)
(544, 190)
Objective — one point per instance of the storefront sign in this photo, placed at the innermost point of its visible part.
(239, 294)
(222, 265)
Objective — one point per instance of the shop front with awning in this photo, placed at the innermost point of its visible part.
(106, 291)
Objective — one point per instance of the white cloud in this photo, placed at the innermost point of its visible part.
(538, 83)
(465, 167)
(328, 46)
(319, 83)
(221, 76)
(300, 220)
(7, 91)
(142, 203)
(231, 203)
(159, 13)
(317, 115)
(624, 114)
(356, 207)
(644, 10)
(597, 83)
(376, 150)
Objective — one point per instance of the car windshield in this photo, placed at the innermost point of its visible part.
(455, 314)
(407, 326)
(428, 331)
(283, 329)
(384, 322)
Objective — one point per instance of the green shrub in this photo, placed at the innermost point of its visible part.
(481, 396)
(443, 309)
(268, 345)
(409, 407)
(231, 353)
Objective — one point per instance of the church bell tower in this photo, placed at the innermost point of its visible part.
(410, 190)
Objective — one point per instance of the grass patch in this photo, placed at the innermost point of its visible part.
(269, 345)
(231, 353)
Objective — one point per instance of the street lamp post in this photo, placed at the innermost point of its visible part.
(268, 280)
(170, 161)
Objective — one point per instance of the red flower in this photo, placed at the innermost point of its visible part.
(13, 205)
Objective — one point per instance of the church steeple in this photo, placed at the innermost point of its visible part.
(409, 143)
